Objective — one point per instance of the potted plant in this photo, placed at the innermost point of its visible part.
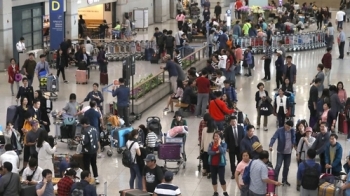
(244, 12)
(267, 11)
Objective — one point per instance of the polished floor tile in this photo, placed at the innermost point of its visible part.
(189, 179)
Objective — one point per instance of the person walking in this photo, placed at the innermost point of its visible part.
(102, 60)
(134, 148)
(339, 18)
(217, 161)
(60, 65)
(218, 11)
(233, 135)
(327, 62)
(290, 70)
(42, 67)
(312, 103)
(89, 142)
(267, 60)
(170, 66)
(20, 46)
(341, 42)
(122, 93)
(29, 68)
(286, 141)
(12, 72)
(279, 63)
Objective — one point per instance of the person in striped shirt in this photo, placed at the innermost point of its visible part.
(177, 57)
(167, 188)
(151, 140)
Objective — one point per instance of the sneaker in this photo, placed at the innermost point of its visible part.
(276, 89)
(225, 194)
(258, 127)
(66, 81)
(265, 129)
(216, 194)
(97, 181)
(166, 109)
(99, 155)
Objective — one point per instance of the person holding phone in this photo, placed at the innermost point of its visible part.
(45, 187)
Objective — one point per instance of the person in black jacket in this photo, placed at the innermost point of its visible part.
(102, 60)
(44, 110)
(65, 46)
(89, 141)
(36, 113)
(21, 113)
(217, 11)
(279, 70)
(60, 65)
(83, 60)
(261, 96)
(26, 91)
(95, 95)
(233, 136)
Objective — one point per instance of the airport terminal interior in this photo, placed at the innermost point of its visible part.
(190, 180)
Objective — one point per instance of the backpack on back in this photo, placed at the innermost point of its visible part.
(160, 40)
(127, 158)
(246, 174)
(311, 177)
(79, 190)
(169, 41)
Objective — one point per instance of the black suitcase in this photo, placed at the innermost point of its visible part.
(154, 60)
(10, 115)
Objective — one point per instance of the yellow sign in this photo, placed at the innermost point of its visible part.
(55, 5)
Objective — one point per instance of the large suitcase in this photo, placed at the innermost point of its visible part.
(103, 78)
(52, 84)
(133, 192)
(81, 77)
(343, 124)
(328, 189)
(169, 151)
(121, 135)
(10, 115)
(154, 59)
(271, 188)
(149, 52)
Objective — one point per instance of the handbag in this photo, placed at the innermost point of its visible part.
(69, 121)
(265, 109)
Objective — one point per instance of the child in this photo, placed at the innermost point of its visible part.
(151, 140)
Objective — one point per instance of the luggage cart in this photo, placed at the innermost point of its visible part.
(118, 139)
(49, 85)
(70, 137)
(173, 150)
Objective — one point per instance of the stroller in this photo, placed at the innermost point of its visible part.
(153, 124)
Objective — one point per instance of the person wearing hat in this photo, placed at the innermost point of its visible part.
(178, 120)
(42, 67)
(281, 106)
(304, 144)
(170, 66)
(167, 188)
(286, 140)
(248, 140)
(65, 184)
(152, 174)
(279, 63)
(257, 148)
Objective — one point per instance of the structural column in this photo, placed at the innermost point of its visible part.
(6, 38)
(72, 19)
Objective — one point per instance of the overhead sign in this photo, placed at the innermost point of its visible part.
(56, 23)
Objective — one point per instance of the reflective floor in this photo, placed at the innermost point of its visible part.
(190, 180)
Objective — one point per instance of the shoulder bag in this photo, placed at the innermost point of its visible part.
(219, 107)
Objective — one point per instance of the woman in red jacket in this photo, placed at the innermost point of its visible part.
(12, 70)
(218, 110)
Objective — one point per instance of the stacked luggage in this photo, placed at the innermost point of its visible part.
(49, 84)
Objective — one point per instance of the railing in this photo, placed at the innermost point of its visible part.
(151, 82)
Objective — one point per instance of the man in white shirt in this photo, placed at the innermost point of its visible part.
(21, 47)
(32, 174)
(222, 61)
(178, 38)
(89, 47)
(339, 18)
(10, 156)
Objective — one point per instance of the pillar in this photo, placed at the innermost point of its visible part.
(72, 19)
(163, 10)
(6, 38)
(121, 7)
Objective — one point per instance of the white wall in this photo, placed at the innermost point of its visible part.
(123, 7)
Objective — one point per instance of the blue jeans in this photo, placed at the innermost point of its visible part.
(285, 158)
(219, 125)
(135, 173)
(340, 24)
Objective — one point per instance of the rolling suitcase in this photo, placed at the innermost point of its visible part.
(133, 192)
(328, 189)
(342, 124)
(57, 162)
(81, 77)
(10, 115)
(121, 135)
(103, 78)
(169, 151)
(52, 84)
(154, 59)
(271, 188)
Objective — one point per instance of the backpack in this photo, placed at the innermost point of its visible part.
(246, 174)
(79, 190)
(160, 40)
(169, 41)
(311, 177)
(127, 158)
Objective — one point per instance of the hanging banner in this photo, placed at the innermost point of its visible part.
(56, 23)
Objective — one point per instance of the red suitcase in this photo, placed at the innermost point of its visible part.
(103, 78)
(133, 192)
(271, 188)
(342, 124)
(81, 77)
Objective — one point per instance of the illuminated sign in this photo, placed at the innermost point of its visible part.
(56, 23)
